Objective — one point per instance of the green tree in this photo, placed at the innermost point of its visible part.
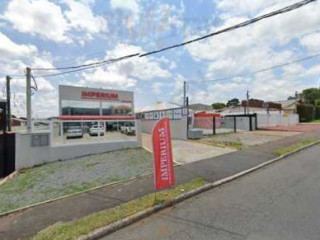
(218, 105)
(317, 103)
(233, 102)
(310, 95)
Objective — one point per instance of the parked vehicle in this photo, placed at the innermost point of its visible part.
(74, 132)
(128, 128)
(94, 130)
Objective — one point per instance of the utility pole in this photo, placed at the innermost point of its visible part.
(184, 93)
(28, 94)
(8, 103)
(248, 97)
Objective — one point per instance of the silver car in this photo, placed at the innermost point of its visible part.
(74, 132)
(94, 130)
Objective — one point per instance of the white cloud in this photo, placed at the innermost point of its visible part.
(125, 74)
(156, 87)
(46, 19)
(145, 68)
(108, 79)
(81, 17)
(311, 42)
(39, 17)
(13, 56)
(132, 5)
(10, 49)
(313, 71)
(245, 6)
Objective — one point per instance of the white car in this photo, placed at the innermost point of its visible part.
(129, 129)
(94, 130)
(74, 132)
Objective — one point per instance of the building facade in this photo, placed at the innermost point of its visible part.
(94, 102)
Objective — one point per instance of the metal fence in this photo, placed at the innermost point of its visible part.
(225, 124)
(81, 131)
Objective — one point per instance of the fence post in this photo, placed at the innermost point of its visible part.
(214, 125)
(61, 132)
(256, 122)
(235, 123)
(250, 122)
(99, 124)
(51, 133)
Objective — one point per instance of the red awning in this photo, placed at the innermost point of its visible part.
(88, 117)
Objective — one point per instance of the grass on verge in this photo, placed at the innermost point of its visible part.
(83, 226)
(285, 150)
(316, 121)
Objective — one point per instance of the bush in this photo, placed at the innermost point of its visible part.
(305, 113)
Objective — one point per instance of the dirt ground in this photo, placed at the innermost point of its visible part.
(302, 127)
(246, 139)
(188, 151)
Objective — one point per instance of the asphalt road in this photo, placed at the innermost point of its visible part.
(281, 201)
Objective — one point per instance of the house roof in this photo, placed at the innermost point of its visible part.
(289, 103)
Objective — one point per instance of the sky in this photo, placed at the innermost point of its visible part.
(59, 33)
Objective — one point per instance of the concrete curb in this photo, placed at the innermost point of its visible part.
(4, 180)
(101, 232)
(67, 196)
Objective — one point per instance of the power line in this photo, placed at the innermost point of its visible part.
(89, 64)
(261, 70)
(68, 72)
(240, 25)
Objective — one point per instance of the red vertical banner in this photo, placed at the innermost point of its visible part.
(162, 154)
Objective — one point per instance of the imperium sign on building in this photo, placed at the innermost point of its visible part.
(78, 101)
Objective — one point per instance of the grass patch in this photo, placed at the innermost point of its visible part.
(83, 226)
(316, 121)
(285, 150)
(61, 178)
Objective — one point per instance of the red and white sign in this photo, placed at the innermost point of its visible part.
(162, 153)
(99, 95)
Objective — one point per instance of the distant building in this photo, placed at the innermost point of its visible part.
(290, 106)
(297, 96)
(158, 106)
(200, 107)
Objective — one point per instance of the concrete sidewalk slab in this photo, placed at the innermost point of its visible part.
(188, 152)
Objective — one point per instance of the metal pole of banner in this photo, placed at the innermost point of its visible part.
(250, 122)
(235, 123)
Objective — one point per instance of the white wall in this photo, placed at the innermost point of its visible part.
(178, 127)
(277, 119)
(28, 156)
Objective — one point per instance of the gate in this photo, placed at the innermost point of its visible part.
(211, 125)
(7, 145)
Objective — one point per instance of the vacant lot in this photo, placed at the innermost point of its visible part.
(63, 178)
(242, 140)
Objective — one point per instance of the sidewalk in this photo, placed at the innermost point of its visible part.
(27, 223)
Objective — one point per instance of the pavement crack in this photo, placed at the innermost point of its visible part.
(219, 229)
